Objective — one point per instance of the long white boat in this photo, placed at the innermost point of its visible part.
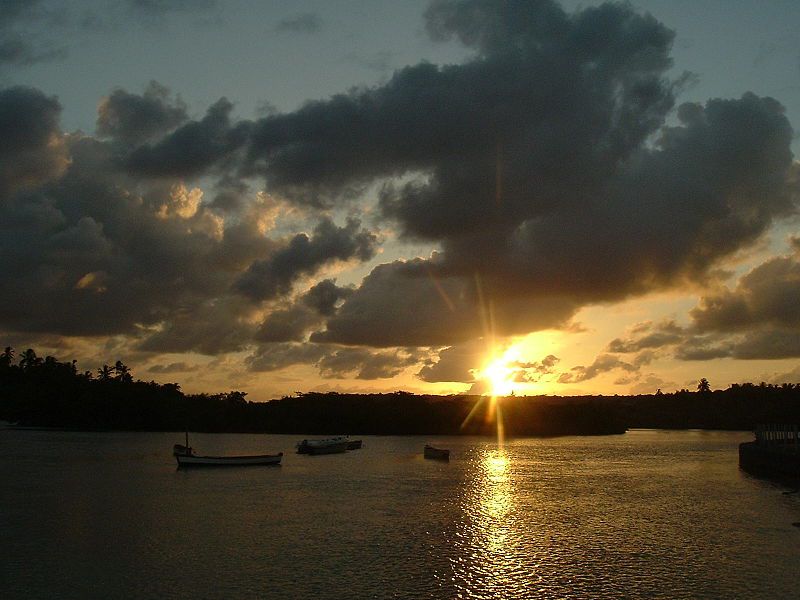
(192, 460)
(186, 457)
(332, 445)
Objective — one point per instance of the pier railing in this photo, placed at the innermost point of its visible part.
(784, 437)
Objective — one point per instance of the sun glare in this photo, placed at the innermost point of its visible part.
(500, 376)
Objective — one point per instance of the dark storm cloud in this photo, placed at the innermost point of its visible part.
(133, 118)
(304, 255)
(288, 325)
(542, 165)
(404, 303)
(333, 362)
(302, 23)
(540, 168)
(365, 364)
(89, 250)
(758, 319)
(323, 296)
(767, 295)
(272, 357)
(768, 344)
(456, 363)
(31, 150)
(193, 148)
(292, 323)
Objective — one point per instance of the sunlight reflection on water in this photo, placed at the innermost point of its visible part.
(484, 564)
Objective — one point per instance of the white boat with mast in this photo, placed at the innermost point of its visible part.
(186, 457)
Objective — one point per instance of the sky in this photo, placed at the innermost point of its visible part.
(438, 196)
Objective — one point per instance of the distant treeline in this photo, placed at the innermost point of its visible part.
(43, 392)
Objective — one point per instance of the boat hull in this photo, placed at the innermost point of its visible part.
(436, 453)
(320, 446)
(336, 448)
(229, 461)
(354, 445)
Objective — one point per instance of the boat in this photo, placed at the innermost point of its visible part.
(332, 445)
(354, 445)
(186, 457)
(436, 453)
(192, 460)
(183, 449)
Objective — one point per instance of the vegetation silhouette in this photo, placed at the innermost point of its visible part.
(36, 392)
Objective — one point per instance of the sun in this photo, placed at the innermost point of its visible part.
(499, 375)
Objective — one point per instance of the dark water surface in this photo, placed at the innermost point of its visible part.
(648, 514)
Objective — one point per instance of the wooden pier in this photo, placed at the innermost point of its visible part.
(775, 451)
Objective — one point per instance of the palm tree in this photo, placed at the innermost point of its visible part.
(123, 372)
(29, 360)
(704, 387)
(104, 373)
(7, 357)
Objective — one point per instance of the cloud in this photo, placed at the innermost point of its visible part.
(792, 376)
(32, 149)
(602, 364)
(404, 303)
(648, 336)
(366, 364)
(456, 363)
(324, 296)
(541, 169)
(542, 164)
(758, 319)
(89, 250)
(305, 255)
(175, 367)
(20, 41)
(132, 118)
(334, 362)
(193, 148)
(767, 295)
(532, 372)
(703, 348)
(273, 357)
(293, 322)
(302, 23)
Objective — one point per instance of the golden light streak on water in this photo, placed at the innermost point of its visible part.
(488, 537)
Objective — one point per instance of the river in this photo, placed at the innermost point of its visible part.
(648, 514)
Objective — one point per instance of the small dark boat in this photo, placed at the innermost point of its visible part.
(354, 445)
(436, 453)
(333, 445)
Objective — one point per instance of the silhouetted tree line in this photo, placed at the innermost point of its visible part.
(43, 392)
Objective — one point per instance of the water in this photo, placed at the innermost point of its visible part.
(648, 514)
